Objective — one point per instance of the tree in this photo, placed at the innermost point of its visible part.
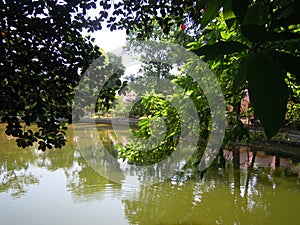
(264, 42)
(252, 46)
(162, 96)
(112, 85)
(43, 53)
(42, 56)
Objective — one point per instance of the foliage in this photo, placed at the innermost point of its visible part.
(249, 44)
(111, 86)
(293, 108)
(260, 56)
(161, 120)
(98, 87)
(42, 56)
(264, 40)
(138, 110)
(150, 146)
(156, 76)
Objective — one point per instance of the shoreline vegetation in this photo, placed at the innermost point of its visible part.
(287, 141)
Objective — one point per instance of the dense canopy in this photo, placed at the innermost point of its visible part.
(253, 45)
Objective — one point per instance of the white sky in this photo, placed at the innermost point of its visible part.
(105, 38)
(111, 40)
(108, 40)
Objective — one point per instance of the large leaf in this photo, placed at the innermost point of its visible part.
(289, 62)
(282, 36)
(253, 25)
(257, 33)
(253, 32)
(219, 49)
(227, 10)
(256, 14)
(240, 77)
(211, 12)
(239, 8)
(267, 90)
(228, 13)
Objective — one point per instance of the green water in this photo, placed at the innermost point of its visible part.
(59, 187)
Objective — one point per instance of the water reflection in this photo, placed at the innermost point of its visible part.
(54, 187)
(233, 197)
(98, 146)
(16, 167)
(14, 175)
(86, 185)
(258, 193)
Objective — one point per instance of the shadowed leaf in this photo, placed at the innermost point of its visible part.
(288, 62)
(219, 49)
(240, 78)
(267, 90)
(239, 8)
(212, 10)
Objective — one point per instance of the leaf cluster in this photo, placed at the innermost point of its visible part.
(42, 57)
(161, 120)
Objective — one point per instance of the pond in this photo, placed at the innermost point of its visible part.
(60, 187)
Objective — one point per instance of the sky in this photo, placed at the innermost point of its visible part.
(105, 38)
(109, 40)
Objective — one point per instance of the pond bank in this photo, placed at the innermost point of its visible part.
(108, 120)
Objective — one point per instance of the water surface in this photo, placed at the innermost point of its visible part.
(59, 187)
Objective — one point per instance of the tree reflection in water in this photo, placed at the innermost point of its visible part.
(87, 185)
(252, 196)
(14, 163)
(262, 194)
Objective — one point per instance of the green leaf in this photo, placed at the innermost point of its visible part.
(267, 91)
(239, 8)
(143, 122)
(257, 33)
(253, 26)
(240, 77)
(253, 32)
(212, 10)
(289, 62)
(193, 44)
(257, 14)
(275, 36)
(228, 11)
(219, 49)
(189, 92)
